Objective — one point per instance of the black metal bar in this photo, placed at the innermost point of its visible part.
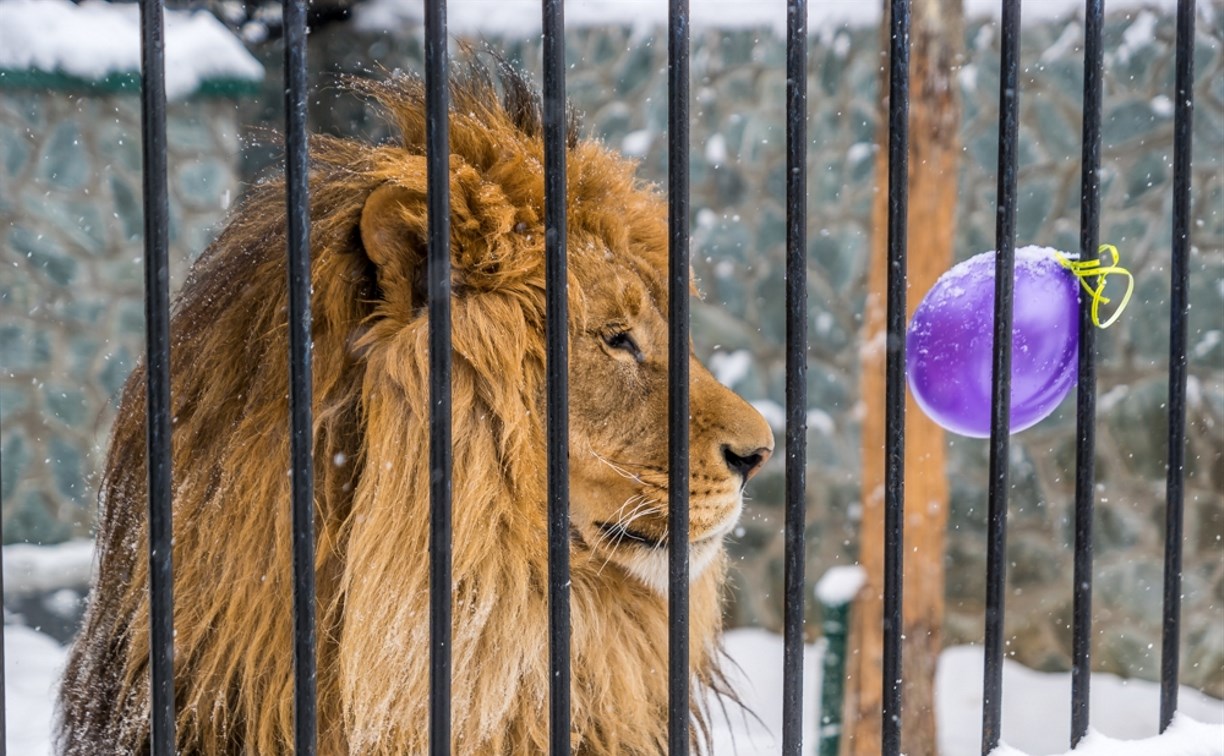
(3, 697)
(894, 390)
(1000, 400)
(438, 273)
(305, 714)
(796, 373)
(1179, 306)
(1085, 408)
(678, 384)
(557, 328)
(157, 373)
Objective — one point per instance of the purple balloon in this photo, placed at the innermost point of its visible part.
(949, 343)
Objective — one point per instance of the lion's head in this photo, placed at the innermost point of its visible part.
(619, 431)
(233, 663)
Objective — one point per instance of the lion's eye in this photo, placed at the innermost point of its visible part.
(623, 341)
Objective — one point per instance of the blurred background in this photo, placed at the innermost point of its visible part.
(71, 307)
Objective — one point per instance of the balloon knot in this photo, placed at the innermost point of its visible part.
(1094, 269)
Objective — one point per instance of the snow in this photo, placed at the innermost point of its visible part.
(1138, 35)
(968, 77)
(522, 17)
(1035, 705)
(637, 143)
(773, 413)
(1036, 719)
(859, 151)
(839, 585)
(729, 368)
(32, 664)
(96, 39)
(821, 421)
(40, 569)
(756, 676)
(1185, 737)
(1065, 44)
(1037, 712)
(1162, 106)
(716, 149)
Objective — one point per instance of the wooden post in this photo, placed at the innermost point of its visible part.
(934, 152)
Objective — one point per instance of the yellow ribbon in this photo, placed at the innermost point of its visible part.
(1085, 269)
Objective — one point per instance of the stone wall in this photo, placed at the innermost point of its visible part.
(619, 80)
(72, 280)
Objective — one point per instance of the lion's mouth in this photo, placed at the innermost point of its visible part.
(617, 534)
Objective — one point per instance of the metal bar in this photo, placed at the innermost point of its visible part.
(796, 373)
(894, 391)
(1085, 408)
(438, 273)
(678, 372)
(305, 714)
(157, 373)
(557, 329)
(3, 698)
(1179, 306)
(1000, 409)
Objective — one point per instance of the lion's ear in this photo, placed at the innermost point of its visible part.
(394, 232)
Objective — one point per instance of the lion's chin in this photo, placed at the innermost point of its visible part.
(650, 565)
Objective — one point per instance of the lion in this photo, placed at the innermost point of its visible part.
(233, 665)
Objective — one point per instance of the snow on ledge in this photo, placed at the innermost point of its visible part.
(522, 17)
(96, 39)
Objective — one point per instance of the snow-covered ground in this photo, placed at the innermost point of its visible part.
(1036, 708)
(1035, 705)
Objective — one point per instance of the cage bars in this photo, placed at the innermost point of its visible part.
(557, 360)
(162, 735)
(1000, 409)
(894, 376)
(796, 374)
(678, 377)
(301, 432)
(1179, 307)
(438, 275)
(157, 373)
(1085, 406)
(3, 695)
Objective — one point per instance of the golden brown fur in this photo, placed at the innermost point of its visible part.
(232, 584)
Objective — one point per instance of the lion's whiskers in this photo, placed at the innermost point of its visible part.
(642, 505)
(615, 468)
(637, 514)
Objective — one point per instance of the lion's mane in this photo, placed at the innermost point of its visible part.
(233, 666)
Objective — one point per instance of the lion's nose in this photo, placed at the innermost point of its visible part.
(748, 464)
